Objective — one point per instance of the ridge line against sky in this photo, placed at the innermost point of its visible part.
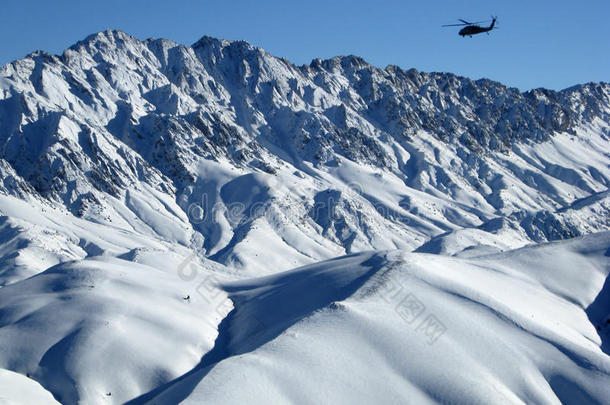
(551, 44)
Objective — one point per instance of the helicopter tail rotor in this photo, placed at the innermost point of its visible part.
(493, 22)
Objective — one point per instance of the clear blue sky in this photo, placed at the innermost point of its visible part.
(540, 43)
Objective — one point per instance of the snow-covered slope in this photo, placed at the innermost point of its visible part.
(137, 176)
(401, 327)
(525, 326)
(18, 389)
(108, 312)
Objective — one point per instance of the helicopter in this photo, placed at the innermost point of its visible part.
(471, 28)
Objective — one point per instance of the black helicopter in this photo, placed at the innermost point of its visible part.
(471, 28)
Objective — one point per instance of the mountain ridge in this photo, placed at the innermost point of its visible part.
(114, 116)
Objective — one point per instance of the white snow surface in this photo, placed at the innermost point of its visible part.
(399, 327)
(387, 326)
(18, 389)
(174, 225)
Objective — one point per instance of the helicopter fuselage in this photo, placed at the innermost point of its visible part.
(473, 29)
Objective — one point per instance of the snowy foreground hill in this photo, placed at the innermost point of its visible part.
(212, 224)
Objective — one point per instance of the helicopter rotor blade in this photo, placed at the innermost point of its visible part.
(464, 22)
(472, 23)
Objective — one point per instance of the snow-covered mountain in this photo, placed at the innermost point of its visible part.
(133, 171)
(220, 142)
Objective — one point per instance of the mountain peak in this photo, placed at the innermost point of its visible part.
(109, 37)
(207, 40)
